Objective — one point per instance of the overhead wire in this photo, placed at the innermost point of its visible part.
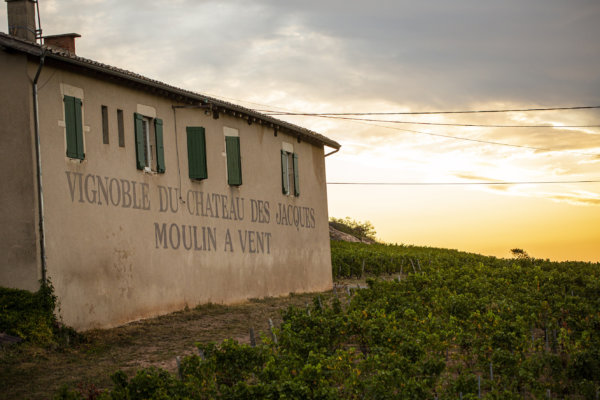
(365, 121)
(453, 124)
(462, 183)
(482, 140)
(437, 112)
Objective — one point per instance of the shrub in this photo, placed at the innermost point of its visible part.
(30, 315)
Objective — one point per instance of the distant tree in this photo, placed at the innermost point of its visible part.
(520, 254)
(358, 229)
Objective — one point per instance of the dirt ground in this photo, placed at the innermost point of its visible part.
(34, 373)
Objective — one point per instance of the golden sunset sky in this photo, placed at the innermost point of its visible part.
(397, 56)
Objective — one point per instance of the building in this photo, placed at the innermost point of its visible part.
(136, 198)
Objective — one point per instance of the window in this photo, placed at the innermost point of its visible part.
(234, 162)
(74, 127)
(196, 144)
(104, 124)
(150, 153)
(289, 173)
(121, 128)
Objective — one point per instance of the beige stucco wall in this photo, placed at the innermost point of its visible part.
(18, 239)
(106, 261)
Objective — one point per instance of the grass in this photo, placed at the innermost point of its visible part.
(30, 372)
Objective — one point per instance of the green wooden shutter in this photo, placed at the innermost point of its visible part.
(74, 127)
(139, 141)
(196, 144)
(160, 149)
(70, 126)
(284, 173)
(296, 178)
(79, 128)
(105, 135)
(234, 164)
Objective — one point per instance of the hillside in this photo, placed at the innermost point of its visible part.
(431, 323)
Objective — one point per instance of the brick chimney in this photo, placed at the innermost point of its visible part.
(21, 19)
(65, 41)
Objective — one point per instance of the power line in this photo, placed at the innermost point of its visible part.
(461, 183)
(450, 124)
(332, 115)
(366, 121)
(435, 112)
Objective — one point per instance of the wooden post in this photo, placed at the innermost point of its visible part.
(179, 373)
(271, 328)
(252, 338)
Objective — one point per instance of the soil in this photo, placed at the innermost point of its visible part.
(29, 372)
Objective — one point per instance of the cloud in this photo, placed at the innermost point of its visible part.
(434, 54)
(577, 200)
(472, 177)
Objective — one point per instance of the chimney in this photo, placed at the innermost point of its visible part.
(21, 19)
(65, 41)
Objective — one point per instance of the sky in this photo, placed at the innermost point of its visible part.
(397, 56)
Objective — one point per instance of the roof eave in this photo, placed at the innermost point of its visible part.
(193, 98)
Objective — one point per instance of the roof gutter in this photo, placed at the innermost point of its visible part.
(40, 193)
(331, 152)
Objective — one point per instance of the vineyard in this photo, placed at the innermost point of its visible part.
(431, 324)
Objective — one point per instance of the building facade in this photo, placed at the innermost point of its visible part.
(152, 197)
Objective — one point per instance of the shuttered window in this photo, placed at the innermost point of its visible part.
(285, 180)
(140, 139)
(234, 163)
(104, 124)
(160, 149)
(149, 148)
(74, 127)
(196, 145)
(289, 173)
(296, 179)
(121, 127)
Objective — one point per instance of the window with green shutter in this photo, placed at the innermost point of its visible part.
(140, 138)
(296, 178)
(149, 148)
(160, 149)
(289, 173)
(196, 145)
(104, 124)
(234, 162)
(74, 127)
(121, 126)
(285, 179)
